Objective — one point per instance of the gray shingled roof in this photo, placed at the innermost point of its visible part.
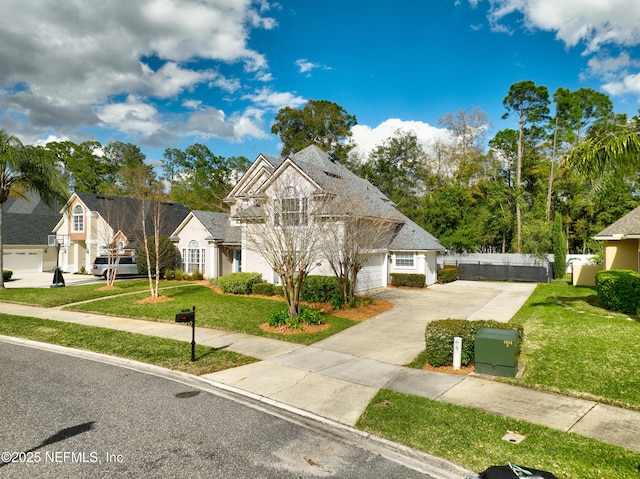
(110, 206)
(334, 177)
(628, 225)
(28, 221)
(219, 227)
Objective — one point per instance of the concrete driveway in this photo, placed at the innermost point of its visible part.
(397, 336)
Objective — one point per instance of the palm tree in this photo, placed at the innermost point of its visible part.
(612, 152)
(26, 168)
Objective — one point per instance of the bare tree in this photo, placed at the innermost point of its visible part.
(150, 194)
(352, 236)
(285, 225)
(114, 221)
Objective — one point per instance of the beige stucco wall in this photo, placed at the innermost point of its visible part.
(585, 274)
(622, 254)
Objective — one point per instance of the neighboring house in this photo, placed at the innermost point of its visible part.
(622, 242)
(208, 243)
(97, 224)
(27, 223)
(312, 173)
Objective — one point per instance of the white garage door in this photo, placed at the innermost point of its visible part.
(23, 261)
(371, 275)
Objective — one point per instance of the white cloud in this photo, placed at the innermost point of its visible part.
(367, 138)
(305, 66)
(132, 116)
(593, 22)
(630, 84)
(269, 99)
(213, 123)
(63, 62)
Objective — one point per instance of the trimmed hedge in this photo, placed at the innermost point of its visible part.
(6, 274)
(319, 289)
(619, 290)
(239, 283)
(412, 280)
(439, 339)
(448, 274)
(265, 289)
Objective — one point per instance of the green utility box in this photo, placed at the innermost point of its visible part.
(496, 352)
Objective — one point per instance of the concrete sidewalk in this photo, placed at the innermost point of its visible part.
(336, 378)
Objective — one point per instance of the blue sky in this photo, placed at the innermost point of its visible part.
(170, 73)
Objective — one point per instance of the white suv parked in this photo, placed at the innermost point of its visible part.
(126, 265)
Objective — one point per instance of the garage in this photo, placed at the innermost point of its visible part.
(372, 274)
(23, 260)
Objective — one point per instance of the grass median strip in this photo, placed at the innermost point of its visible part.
(167, 353)
(473, 439)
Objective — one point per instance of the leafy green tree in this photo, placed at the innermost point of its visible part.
(610, 152)
(198, 178)
(530, 104)
(125, 161)
(27, 168)
(559, 243)
(86, 168)
(322, 122)
(395, 168)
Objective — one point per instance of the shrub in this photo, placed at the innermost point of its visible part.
(239, 283)
(619, 290)
(319, 289)
(197, 275)
(306, 316)
(167, 254)
(448, 274)
(412, 280)
(439, 339)
(6, 274)
(278, 290)
(178, 274)
(279, 318)
(265, 289)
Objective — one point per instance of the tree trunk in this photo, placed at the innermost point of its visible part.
(553, 162)
(518, 188)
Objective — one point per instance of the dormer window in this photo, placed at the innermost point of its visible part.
(77, 219)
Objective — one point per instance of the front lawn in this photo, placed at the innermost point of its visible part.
(222, 311)
(575, 347)
(51, 297)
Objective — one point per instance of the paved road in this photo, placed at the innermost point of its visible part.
(75, 417)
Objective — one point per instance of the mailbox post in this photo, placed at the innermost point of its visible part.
(189, 316)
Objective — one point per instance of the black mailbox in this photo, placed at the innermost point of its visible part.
(185, 316)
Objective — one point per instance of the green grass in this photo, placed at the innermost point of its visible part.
(472, 439)
(575, 347)
(167, 353)
(50, 297)
(229, 312)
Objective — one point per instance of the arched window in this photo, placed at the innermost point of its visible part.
(194, 257)
(77, 219)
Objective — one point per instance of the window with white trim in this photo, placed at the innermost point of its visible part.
(405, 260)
(77, 219)
(291, 210)
(193, 257)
